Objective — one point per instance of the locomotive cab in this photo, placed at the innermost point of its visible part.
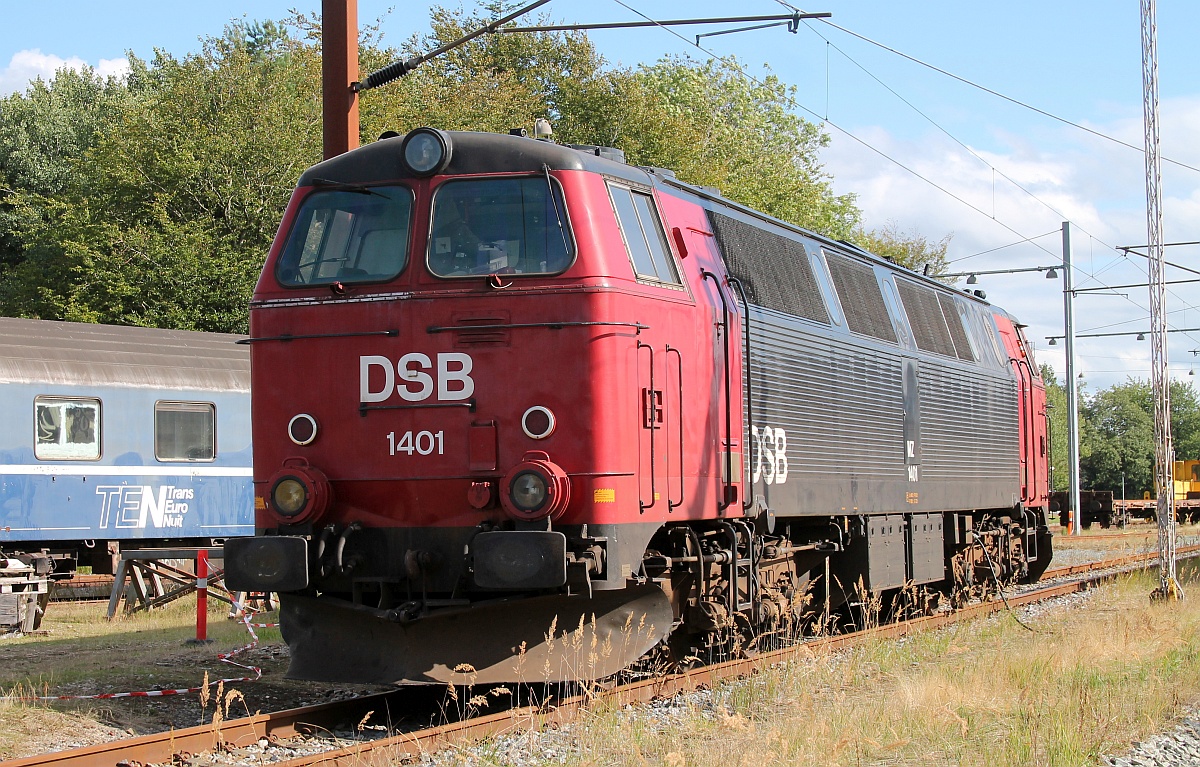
(454, 346)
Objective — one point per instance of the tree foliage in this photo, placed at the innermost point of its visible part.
(1117, 433)
(163, 215)
(1117, 439)
(153, 200)
(911, 249)
(1056, 411)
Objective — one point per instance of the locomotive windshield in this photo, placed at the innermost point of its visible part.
(500, 226)
(350, 234)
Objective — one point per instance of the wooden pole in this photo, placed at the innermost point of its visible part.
(339, 69)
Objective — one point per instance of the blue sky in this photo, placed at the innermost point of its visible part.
(957, 161)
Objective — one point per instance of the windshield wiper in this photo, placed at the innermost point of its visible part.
(554, 201)
(343, 187)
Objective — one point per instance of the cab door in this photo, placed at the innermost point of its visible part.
(660, 362)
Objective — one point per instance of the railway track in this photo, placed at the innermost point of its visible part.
(82, 588)
(391, 707)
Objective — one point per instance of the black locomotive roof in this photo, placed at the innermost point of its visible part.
(472, 153)
(76, 353)
(713, 199)
(475, 152)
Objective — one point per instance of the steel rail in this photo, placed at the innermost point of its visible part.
(161, 747)
(388, 750)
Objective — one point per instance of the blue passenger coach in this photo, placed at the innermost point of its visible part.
(115, 438)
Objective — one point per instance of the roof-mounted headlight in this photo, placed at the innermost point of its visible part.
(426, 151)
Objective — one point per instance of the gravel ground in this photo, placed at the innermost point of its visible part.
(559, 746)
(1179, 747)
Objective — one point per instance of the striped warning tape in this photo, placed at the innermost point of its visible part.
(225, 657)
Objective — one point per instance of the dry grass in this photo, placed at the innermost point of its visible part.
(79, 645)
(78, 652)
(988, 693)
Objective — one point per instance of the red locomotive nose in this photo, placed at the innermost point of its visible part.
(534, 489)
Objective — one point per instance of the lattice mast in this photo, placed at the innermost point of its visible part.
(1164, 454)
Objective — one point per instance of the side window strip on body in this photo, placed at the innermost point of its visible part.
(643, 233)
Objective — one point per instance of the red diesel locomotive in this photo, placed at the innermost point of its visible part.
(526, 411)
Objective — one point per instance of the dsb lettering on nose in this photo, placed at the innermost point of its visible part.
(415, 377)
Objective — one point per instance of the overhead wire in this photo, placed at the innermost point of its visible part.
(1002, 247)
(1094, 274)
(1009, 99)
(735, 66)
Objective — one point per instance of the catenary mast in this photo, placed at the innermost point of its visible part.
(1164, 454)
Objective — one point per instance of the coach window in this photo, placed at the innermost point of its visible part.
(508, 226)
(643, 233)
(185, 431)
(67, 429)
(347, 236)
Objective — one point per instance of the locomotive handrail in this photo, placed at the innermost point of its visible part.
(289, 337)
(724, 502)
(552, 325)
(672, 505)
(648, 420)
(734, 281)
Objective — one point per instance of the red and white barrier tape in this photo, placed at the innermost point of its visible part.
(223, 657)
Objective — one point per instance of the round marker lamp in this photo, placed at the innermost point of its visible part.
(426, 151)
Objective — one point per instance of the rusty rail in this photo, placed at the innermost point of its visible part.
(161, 747)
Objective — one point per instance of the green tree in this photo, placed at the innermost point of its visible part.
(43, 133)
(1185, 420)
(1119, 438)
(1056, 412)
(168, 215)
(1118, 434)
(908, 249)
(154, 200)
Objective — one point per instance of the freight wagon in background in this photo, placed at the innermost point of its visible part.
(1101, 507)
(115, 438)
(1095, 507)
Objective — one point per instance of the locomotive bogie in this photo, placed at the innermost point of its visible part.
(561, 384)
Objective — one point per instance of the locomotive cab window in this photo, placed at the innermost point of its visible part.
(347, 236)
(643, 233)
(185, 431)
(510, 226)
(66, 429)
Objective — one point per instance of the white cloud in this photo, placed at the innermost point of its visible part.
(27, 66)
(1098, 185)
